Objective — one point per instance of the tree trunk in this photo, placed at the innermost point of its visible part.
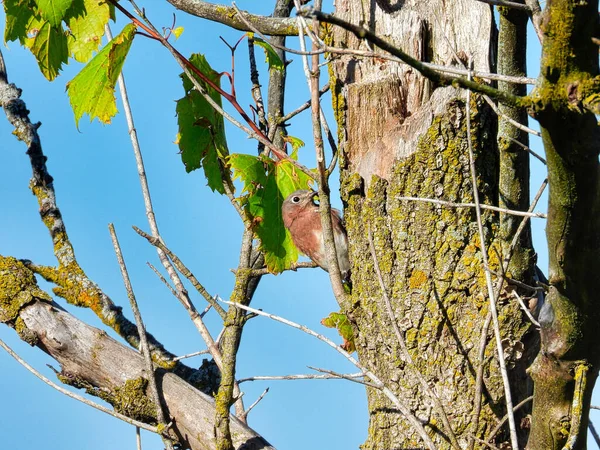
(402, 136)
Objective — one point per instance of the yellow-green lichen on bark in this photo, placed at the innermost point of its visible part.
(431, 263)
(18, 288)
(131, 400)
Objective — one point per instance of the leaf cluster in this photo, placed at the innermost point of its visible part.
(54, 30)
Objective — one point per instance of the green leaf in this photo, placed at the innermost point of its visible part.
(53, 10)
(273, 59)
(296, 144)
(18, 14)
(340, 322)
(202, 138)
(86, 20)
(266, 184)
(92, 91)
(49, 46)
(177, 32)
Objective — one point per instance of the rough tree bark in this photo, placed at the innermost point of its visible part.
(567, 366)
(402, 136)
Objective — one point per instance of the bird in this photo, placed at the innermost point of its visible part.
(302, 219)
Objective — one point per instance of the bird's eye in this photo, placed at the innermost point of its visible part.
(295, 199)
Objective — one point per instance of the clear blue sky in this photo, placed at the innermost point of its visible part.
(96, 183)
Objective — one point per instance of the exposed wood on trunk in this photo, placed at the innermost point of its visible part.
(404, 136)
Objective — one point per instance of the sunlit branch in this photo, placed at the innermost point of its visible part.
(144, 349)
(410, 417)
(490, 286)
(76, 396)
(272, 26)
(431, 74)
(537, 215)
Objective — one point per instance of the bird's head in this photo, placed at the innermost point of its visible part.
(296, 203)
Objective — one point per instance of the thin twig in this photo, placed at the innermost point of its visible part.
(513, 122)
(182, 268)
(191, 355)
(433, 75)
(528, 150)
(144, 349)
(594, 433)
(302, 107)
(312, 78)
(192, 72)
(255, 403)
(330, 140)
(526, 310)
(294, 267)
(481, 441)
(310, 376)
(490, 286)
(385, 56)
(407, 357)
(506, 4)
(410, 417)
(182, 294)
(538, 215)
(76, 396)
(72, 283)
(485, 328)
(138, 438)
(505, 418)
(163, 279)
(343, 376)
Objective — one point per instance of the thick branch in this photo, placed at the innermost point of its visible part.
(73, 284)
(426, 71)
(273, 26)
(91, 356)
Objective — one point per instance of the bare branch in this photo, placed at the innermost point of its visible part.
(538, 215)
(506, 4)
(190, 355)
(273, 26)
(255, 403)
(303, 107)
(293, 266)
(490, 286)
(528, 150)
(410, 417)
(343, 376)
(505, 418)
(536, 17)
(182, 268)
(363, 33)
(144, 349)
(302, 377)
(73, 284)
(526, 310)
(68, 393)
(513, 122)
(595, 435)
(312, 77)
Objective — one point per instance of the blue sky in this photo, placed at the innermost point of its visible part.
(96, 183)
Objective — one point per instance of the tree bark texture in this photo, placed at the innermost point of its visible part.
(570, 316)
(91, 359)
(402, 136)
